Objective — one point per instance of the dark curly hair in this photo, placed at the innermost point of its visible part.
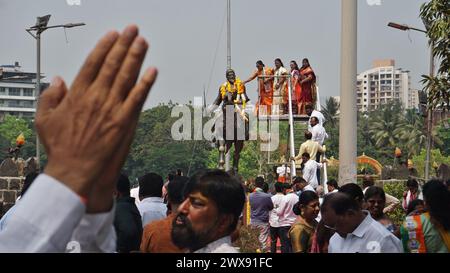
(437, 198)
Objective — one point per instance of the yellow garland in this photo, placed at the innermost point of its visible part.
(237, 86)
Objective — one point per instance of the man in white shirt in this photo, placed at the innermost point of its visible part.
(286, 214)
(356, 231)
(318, 132)
(209, 214)
(152, 205)
(283, 173)
(274, 218)
(310, 170)
(73, 199)
(311, 112)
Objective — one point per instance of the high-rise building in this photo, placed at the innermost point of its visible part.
(382, 84)
(17, 91)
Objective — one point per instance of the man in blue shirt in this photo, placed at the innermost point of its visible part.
(260, 207)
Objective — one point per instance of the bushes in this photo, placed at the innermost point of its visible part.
(396, 189)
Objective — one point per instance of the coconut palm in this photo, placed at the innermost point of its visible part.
(331, 111)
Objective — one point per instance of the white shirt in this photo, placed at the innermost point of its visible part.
(152, 209)
(308, 188)
(51, 218)
(318, 134)
(318, 115)
(310, 172)
(369, 237)
(273, 216)
(223, 245)
(285, 211)
(134, 192)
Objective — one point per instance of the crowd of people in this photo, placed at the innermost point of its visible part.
(349, 219)
(82, 201)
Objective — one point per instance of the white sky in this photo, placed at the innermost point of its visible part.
(184, 35)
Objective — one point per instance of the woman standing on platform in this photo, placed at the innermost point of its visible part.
(297, 88)
(265, 87)
(307, 81)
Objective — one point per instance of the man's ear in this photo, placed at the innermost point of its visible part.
(224, 224)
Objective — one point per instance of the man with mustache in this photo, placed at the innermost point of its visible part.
(209, 214)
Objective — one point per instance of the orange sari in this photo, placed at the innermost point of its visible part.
(265, 90)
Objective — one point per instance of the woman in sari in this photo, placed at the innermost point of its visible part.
(302, 231)
(296, 95)
(265, 87)
(429, 232)
(307, 81)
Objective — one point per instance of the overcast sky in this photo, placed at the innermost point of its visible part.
(184, 35)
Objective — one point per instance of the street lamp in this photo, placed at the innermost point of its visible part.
(38, 28)
(430, 112)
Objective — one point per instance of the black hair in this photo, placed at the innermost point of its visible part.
(412, 183)
(437, 198)
(308, 106)
(29, 178)
(265, 187)
(306, 59)
(175, 189)
(354, 191)
(170, 176)
(334, 183)
(374, 191)
(305, 198)
(367, 181)
(298, 179)
(413, 204)
(306, 155)
(179, 172)
(224, 190)
(308, 135)
(260, 63)
(279, 187)
(150, 185)
(123, 185)
(340, 203)
(279, 60)
(295, 64)
(259, 182)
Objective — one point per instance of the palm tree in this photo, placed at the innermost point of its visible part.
(382, 125)
(331, 111)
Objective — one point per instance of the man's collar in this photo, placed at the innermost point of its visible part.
(364, 226)
(153, 199)
(214, 245)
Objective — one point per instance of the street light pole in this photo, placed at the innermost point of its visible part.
(348, 114)
(429, 110)
(41, 26)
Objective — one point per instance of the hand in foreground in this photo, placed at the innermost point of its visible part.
(87, 129)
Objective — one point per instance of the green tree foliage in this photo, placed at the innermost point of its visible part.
(436, 17)
(436, 157)
(10, 128)
(443, 133)
(154, 149)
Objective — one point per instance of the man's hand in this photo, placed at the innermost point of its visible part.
(87, 129)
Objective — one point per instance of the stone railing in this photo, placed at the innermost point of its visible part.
(10, 188)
